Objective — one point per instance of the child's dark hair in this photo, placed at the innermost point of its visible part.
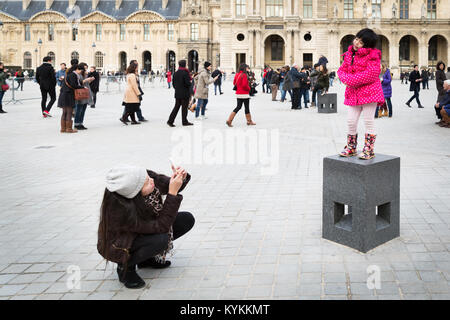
(368, 37)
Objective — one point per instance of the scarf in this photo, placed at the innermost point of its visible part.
(185, 69)
(155, 202)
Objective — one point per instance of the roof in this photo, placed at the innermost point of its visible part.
(14, 8)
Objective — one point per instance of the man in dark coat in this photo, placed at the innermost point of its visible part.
(425, 77)
(182, 84)
(45, 76)
(414, 85)
(218, 82)
(296, 78)
(94, 84)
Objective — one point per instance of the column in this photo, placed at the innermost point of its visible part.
(295, 55)
(288, 7)
(251, 52)
(258, 7)
(259, 59)
(296, 7)
(289, 47)
(251, 9)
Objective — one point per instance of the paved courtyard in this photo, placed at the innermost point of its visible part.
(256, 236)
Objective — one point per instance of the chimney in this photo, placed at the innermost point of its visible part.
(141, 4)
(48, 4)
(94, 4)
(25, 4)
(118, 3)
(164, 4)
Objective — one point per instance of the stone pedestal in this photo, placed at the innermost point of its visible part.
(327, 103)
(361, 200)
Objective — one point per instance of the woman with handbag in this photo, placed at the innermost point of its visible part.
(81, 105)
(71, 91)
(3, 85)
(132, 97)
(242, 87)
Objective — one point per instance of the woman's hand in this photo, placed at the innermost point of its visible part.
(176, 181)
(179, 170)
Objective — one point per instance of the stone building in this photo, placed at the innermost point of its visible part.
(109, 33)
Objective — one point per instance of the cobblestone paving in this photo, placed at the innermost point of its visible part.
(256, 236)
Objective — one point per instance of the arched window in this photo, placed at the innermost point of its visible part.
(27, 61)
(99, 59)
(51, 54)
(74, 55)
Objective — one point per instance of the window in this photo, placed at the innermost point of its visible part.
(51, 32)
(194, 31)
(404, 9)
(307, 8)
(146, 32)
(277, 49)
(274, 8)
(170, 32)
(431, 9)
(27, 32)
(99, 59)
(404, 48)
(240, 8)
(74, 34)
(376, 8)
(74, 55)
(98, 32)
(27, 60)
(348, 9)
(122, 32)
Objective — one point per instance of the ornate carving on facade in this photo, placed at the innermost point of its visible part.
(48, 16)
(144, 16)
(7, 18)
(97, 16)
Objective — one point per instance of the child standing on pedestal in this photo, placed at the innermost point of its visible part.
(360, 73)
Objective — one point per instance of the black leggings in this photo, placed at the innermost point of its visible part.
(67, 114)
(146, 246)
(246, 103)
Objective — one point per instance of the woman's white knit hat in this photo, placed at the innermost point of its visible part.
(126, 180)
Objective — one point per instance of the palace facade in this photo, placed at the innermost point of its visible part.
(157, 33)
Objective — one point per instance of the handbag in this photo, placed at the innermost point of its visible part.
(235, 87)
(295, 84)
(5, 87)
(80, 94)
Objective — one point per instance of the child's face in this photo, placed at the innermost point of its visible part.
(357, 43)
(148, 187)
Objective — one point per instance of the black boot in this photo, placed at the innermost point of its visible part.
(1, 109)
(129, 277)
(152, 263)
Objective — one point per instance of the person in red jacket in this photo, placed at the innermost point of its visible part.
(169, 77)
(242, 94)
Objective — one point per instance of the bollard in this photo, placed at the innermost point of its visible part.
(327, 103)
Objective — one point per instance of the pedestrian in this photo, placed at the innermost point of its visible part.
(4, 74)
(202, 82)
(218, 82)
(60, 75)
(169, 77)
(323, 81)
(81, 105)
(241, 83)
(387, 90)
(20, 78)
(285, 85)
(402, 77)
(332, 76)
(425, 77)
(360, 73)
(95, 85)
(268, 78)
(137, 227)
(414, 85)
(295, 77)
(275, 83)
(132, 96)
(45, 77)
(447, 74)
(263, 79)
(66, 99)
(440, 79)
(139, 109)
(182, 85)
(313, 78)
(304, 89)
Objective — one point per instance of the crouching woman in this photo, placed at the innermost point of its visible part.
(137, 227)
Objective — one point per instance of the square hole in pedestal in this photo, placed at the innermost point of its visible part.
(383, 215)
(343, 216)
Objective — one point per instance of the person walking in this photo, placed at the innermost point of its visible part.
(440, 79)
(286, 85)
(387, 90)
(66, 99)
(81, 105)
(4, 74)
(218, 82)
(275, 83)
(137, 226)
(414, 85)
(202, 82)
(425, 77)
(94, 85)
(304, 88)
(20, 78)
(295, 77)
(45, 77)
(360, 72)
(169, 77)
(268, 78)
(132, 96)
(182, 85)
(241, 83)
